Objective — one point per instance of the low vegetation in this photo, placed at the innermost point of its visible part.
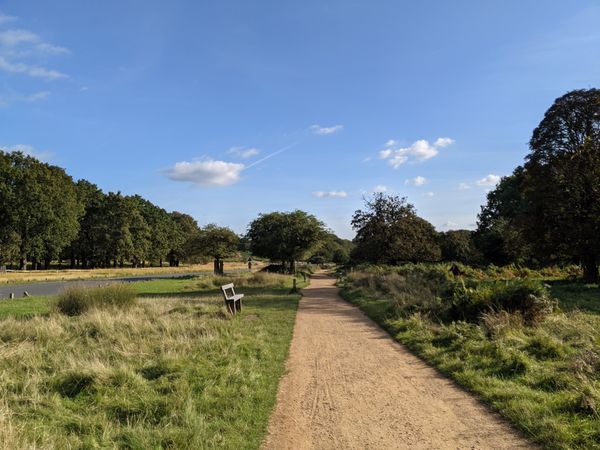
(531, 356)
(169, 370)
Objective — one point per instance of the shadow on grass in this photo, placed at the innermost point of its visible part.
(576, 295)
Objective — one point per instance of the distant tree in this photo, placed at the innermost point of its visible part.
(160, 224)
(562, 183)
(389, 231)
(181, 238)
(499, 235)
(216, 242)
(39, 208)
(285, 236)
(332, 249)
(458, 245)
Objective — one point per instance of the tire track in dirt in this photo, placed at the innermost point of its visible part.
(348, 385)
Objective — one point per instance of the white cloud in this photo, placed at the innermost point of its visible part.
(243, 152)
(418, 151)
(443, 142)
(12, 38)
(27, 150)
(318, 129)
(5, 18)
(6, 100)
(417, 181)
(490, 180)
(206, 173)
(464, 186)
(321, 194)
(27, 69)
(428, 194)
(450, 224)
(380, 188)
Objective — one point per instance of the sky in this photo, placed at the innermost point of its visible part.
(227, 109)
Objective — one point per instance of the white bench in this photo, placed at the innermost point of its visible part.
(233, 301)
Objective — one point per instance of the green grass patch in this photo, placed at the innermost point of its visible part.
(173, 371)
(24, 307)
(543, 376)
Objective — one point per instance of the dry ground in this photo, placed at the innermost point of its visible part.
(350, 386)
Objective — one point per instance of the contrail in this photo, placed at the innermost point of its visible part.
(281, 150)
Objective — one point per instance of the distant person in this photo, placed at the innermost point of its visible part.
(249, 263)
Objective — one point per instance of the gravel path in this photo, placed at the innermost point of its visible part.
(350, 386)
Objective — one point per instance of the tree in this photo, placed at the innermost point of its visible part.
(389, 231)
(458, 245)
(499, 234)
(217, 242)
(332, 249)
(562, 183)
(285, 236)
(39, 207)
(160, 224)
(181, 238)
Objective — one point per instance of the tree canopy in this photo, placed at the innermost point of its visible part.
(389, 231)
(285, 236)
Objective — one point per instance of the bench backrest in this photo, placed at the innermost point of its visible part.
(225, 288)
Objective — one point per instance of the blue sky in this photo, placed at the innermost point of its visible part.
(225, 109)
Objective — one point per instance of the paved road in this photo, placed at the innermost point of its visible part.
(55, 287)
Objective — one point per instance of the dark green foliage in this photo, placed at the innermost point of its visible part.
(215, 242)
(459, 246)
(285, 236)
(77, 300)
(332, 249)
(389, 231)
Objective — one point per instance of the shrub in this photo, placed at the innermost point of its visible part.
(77, 300)
(530, 298)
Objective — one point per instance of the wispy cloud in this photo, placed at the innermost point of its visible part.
(416, 181)
(418, 151)
(321, 194)
(380, 188)
(22, 51)
(6, 19)
(428, 194)
(206, 173)
(450, 224)
(318, 129)
(464, 186)
(490, 180)
(243, 152)
(8, 99)
(27, 150)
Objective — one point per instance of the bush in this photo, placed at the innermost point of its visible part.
(77, 300)
(530, 298)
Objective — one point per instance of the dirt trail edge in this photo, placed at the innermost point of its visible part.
(349, 385)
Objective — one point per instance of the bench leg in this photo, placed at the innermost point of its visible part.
(230, 306)
(238, 305)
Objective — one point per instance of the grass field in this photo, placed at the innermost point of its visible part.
(85, 274)
(172, 371)
(545, 378)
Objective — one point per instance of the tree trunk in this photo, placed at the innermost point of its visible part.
(221, 267)
(292, 266)
(46, 263)
(23, 263)
(590, 269)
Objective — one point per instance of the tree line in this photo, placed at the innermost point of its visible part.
(46, 216)
(546, 212)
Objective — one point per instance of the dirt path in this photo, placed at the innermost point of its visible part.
(350, 386)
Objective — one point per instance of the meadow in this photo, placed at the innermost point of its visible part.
(528, 346)
(158, 365)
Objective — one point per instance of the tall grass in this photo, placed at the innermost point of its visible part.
(159, 373)
(504, 340)
(78, 300)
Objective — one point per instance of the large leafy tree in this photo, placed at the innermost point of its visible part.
(285, 236)
(458, 245)
(182, 236)
(562, 183)
(499, 235)
(39, 207)
(160, 225)
(388, 231)
(218, 243)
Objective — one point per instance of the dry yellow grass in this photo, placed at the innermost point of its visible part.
(81, 274)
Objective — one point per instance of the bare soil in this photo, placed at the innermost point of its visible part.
(349, 385)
